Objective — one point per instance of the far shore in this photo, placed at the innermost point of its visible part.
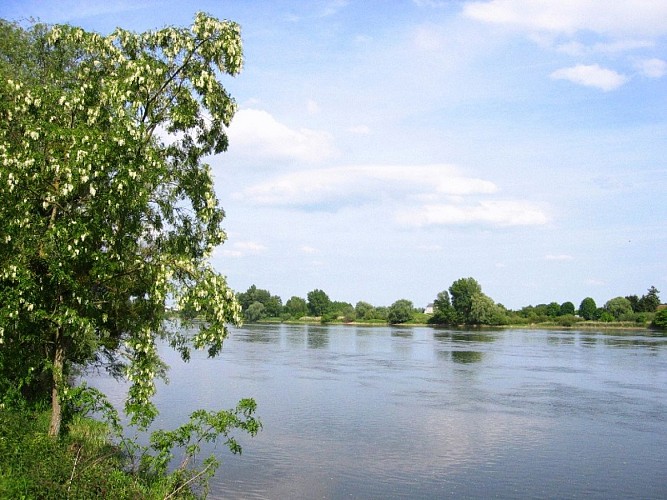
(581, 325)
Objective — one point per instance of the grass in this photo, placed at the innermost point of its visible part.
(80, 465)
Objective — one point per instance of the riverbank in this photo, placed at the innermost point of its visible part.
(549, 325)
(82, 464)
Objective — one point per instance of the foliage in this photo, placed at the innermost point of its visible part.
(567, 320)
(107, 208)
(588, 309)
(272, 304)
(650, 301)
(296, 307)
(364, 311)
(484, 311)
(84, 464)
(619, 307)
(255, 312)
(473, 307)
(553, 309)
(400, 311)
(318, 302)
(203, 427)
(462, 292)
(660, 319)
(567, 309)
(81, 466)
(443, 311)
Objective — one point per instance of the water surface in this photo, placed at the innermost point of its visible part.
(390, 412)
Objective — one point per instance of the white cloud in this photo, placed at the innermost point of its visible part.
(591, 75)
(428, 194)
(355, 184)
(257, 133)
(360, 129)
(575, 48)
(243, 248)
(652, 68)
(558, 257)
(494, 213)
(620, 18)
(332, 7)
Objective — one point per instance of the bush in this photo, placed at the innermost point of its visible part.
(567, 320)
(81, 465)
(660, 320)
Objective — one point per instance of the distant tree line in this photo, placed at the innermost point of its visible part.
(463, 303)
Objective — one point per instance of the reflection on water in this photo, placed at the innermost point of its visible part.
(467, 356)
(384, 412)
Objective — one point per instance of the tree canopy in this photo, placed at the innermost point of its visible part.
(319, 302)
(400, 311)
(108, 212)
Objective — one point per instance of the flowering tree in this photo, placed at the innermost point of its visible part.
(108, 212)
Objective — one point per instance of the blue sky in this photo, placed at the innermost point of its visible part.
(384, 149)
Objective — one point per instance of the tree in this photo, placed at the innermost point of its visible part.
(318, 303)
(296, 307)
(588, 309)
(400, 311)
(273, 304)
(364, 310)
(255, 312)
(443, 311)
(553, 309)
(660, 319)
(107, 209)
(483, 311)
(634, 302)
(344, 309)
(650, 301)
(462, 292)
(618, 307)
(566, 308)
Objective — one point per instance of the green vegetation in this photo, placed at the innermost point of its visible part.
(108, 212)
(88, 461)
(401, 311)
(660, 319)
(464, 303)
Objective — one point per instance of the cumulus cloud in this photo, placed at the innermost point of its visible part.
(591, 75)
(425, 194)
(257, 133)
(575, 48)
(243, 248)
(495, 213)
(652, 68)
(362, 183)
(626, 18)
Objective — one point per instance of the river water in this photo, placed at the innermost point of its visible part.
(391, 412)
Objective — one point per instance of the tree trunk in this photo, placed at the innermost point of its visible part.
(57, 371)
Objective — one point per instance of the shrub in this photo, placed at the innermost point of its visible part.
(660, 319)
(567, 320)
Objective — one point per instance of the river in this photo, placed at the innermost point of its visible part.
(417, 412)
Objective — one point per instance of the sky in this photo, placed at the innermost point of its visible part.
(384, 149)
